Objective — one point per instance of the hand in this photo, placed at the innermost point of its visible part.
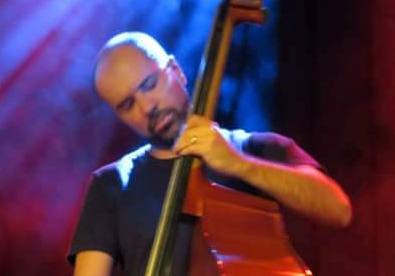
(201, 137)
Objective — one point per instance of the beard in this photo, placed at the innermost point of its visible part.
(166, 135)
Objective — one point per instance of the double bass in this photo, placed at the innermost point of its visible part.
(235, 233)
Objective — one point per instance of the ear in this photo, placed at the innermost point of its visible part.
(173, 64)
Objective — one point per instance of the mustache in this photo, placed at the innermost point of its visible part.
(157, 114)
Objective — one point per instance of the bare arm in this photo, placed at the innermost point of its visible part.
(93, 263)
(301, 188)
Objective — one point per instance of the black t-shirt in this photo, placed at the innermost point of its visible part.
(124, 201)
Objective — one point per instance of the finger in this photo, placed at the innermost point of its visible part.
(197, 131)
(193, 148)
(185, 142)
(197, 120)
(201, 135)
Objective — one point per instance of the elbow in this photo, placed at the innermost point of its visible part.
(338, 215)
(342, 209)
(347, 215)
(344, 215)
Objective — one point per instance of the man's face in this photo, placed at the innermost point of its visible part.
(151, 100)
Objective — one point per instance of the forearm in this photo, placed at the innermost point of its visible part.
(93, 263)
(302, 188)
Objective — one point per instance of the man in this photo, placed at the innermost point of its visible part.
(146, 88)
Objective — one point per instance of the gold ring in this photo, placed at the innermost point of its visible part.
(193, 139)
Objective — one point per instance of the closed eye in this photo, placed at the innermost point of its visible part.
(149, 83)
(126, 104)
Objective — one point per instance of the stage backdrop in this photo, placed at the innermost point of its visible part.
(322, 73)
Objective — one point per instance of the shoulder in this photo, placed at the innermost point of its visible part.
(278, 148)
(120, 170)
(237, 137)
(267, 145)
(245, 141)
(270, 139)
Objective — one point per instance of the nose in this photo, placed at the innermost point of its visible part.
(145, 103)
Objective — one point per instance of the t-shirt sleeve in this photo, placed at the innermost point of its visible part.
(277, 148)
(96, 227)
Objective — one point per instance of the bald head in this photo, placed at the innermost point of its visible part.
(140, 42)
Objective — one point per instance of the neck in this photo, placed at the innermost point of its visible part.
(162, 153)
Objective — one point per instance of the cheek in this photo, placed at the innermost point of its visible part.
(137, 124)
(178, 93)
